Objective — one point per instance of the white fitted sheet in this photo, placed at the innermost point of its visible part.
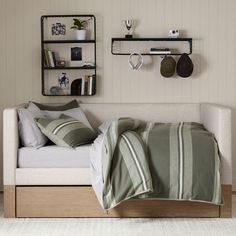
(54, 157)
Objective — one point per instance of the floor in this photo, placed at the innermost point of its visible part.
(115, 227)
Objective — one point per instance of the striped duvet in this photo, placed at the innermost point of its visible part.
(159, 161)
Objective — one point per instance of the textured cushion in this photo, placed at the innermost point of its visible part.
(30, 134)
(66, 131)
(70, 105)
(76, 113)
(53, 156)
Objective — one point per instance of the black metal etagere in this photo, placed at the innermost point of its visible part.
(45, 42)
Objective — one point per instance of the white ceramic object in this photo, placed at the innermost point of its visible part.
(80, 34)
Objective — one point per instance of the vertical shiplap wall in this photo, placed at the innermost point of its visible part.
(211, 23)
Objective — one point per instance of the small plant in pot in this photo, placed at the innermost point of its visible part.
(80, 27)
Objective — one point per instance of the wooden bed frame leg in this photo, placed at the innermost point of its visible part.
(9, 201)
(226, 209)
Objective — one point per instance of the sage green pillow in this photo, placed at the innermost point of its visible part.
(70, 105)
(66, 131)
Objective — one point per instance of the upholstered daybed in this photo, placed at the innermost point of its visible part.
(55, 182)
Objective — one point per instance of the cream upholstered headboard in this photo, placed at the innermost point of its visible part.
(97, 113)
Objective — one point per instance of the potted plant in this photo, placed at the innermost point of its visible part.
(80, 27)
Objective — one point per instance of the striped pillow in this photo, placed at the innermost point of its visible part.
(66, 131)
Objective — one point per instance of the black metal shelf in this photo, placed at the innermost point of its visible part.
(67, 41)
(189, 40)
(66, 95)
(70, 68)
(45, 44)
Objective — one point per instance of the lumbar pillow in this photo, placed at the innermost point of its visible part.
(76, 113)
(66, 131)
(30, 134)
(70, 105)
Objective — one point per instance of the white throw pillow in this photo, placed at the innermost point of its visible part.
(30, 134)
(76, 113)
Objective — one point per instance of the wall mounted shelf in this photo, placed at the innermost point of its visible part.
(59, 44)
(120, 40)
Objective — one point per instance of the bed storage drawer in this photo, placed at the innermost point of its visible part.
(57, 202)
(80, 201)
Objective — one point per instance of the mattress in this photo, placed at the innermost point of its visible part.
(54, 157)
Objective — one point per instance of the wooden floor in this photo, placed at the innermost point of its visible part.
(80, 201)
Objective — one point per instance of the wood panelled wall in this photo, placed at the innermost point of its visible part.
(211, 23)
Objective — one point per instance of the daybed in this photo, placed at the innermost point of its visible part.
(52, 182)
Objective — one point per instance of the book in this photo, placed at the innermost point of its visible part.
(92, 88)
(160, 51)
(79, 86)
(46, 58)
(51, 58)
(54, 58)
(83, 86)
(89, 86)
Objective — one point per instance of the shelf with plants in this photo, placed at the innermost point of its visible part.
(68, 55)
(145, 41)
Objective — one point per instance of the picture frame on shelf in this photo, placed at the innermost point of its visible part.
(58, 29)
(64, 82)
(76, 54)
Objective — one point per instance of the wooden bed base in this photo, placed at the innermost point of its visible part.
(80, 201)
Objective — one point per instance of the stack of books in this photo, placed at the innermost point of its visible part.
(86, 85)
(160, 51)
(49, 58)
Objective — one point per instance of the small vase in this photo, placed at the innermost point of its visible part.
(80, 34)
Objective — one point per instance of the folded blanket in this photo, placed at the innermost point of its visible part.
(158, 161)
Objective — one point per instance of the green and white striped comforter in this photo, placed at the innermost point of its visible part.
(159, 160)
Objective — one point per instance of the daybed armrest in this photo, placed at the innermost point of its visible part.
(10, 144)
(217, 119)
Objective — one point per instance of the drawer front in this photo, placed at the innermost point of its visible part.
(80, 201)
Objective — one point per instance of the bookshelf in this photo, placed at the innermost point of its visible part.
(58, 41)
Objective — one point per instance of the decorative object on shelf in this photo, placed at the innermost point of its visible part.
(80, 27)
(87, 64)
(61, 63)
(75, 87)
(174, 33)
(168, 65)
(76, 54)
(185, 66)
(138, 63)
(63, 82)
(58, 29)
(129, 24)
(56, 90)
